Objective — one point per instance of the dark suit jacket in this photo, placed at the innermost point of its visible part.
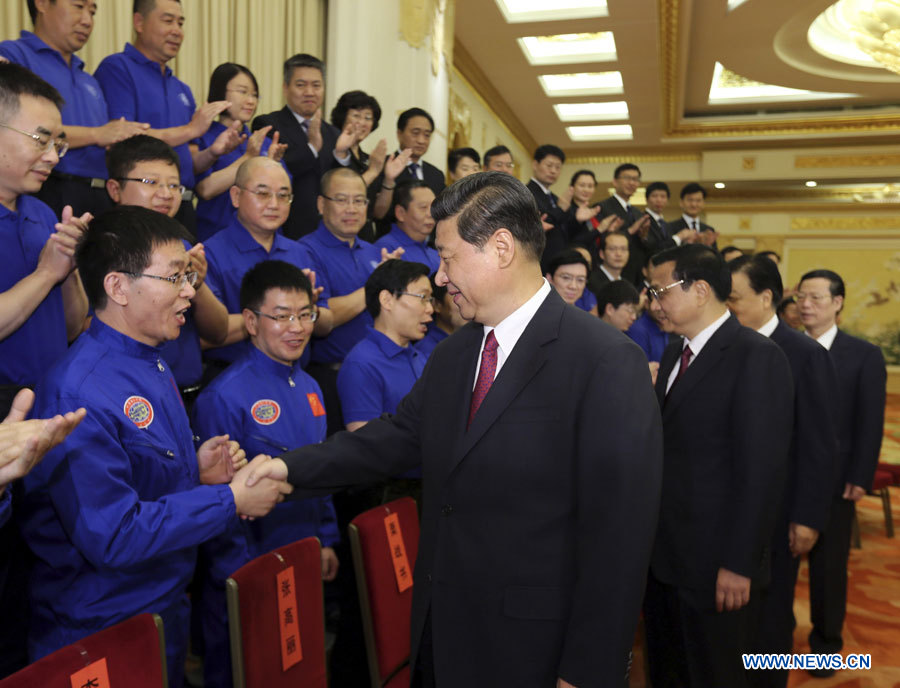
(679, 224)
(306, 169)
(432, 176)
(862, 377)
(538, 520)
(727, 432)
(814, 448)
(658, 238)
(558, 237)
(637, 254)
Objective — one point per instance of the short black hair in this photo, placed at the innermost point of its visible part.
(581, 173)
(145, 7)
(567, 257)
(355, 100)
(122, 157)
(657, 186)
(121, 240)
(455, 156)
(271, 274)
(692, 188)
(624, 167)
(32, 9)
(394, 276)
(730, 249)
(549, 149)
(17, 81)
(407, 115)
(616, 293)
(302, 60)
(601, 245)
(494, 152)
(224, 73)
(404, 192)
(770, 255)
(835, 283)
(783, 304)
(483, 203)
(695, 262)
(762, 273)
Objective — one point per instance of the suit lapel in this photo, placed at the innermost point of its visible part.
(666, 364)
(291, 127)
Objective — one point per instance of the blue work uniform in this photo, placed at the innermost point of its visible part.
(137, 89)
(647, 335)
(269, 408)
(587, 300)
(114, 515)
(344, 269)
(230, 253)
(85, 104)
(432, 338)
(41, 340)
(183, 354)
(414, 251)
(218, 212)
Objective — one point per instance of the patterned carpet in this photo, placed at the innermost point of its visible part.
(873, 608)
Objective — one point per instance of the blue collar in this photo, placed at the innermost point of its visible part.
(406, 239)
(273, 367)
(137, 56)
(37, 45)
(118, 341)
(324, 235)
(388, 346)
(245, 243)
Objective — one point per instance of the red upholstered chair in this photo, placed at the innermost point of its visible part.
(254, 619)
(893, 469)
(385, 610)
(135, 653)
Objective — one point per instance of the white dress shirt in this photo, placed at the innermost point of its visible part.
(510, 329)
(300, 120)
(767, 329)
(612, 278)
(826, 339)
(697, 344)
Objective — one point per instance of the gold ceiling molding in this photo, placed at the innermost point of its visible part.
(872, 160)
(468, 70)
(817, 194)
(846, 223)
(674, 126)
(782, 207)
(619, 159)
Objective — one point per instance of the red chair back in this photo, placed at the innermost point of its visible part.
(256, 616)
(385, 610)
(134, 650)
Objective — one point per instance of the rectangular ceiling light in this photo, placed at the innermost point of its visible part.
(589, 84)
(540, 10)
(569, 48)
(588, 112)
(728, 87)
(607, 132)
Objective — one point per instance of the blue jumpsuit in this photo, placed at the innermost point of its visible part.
(114, 515)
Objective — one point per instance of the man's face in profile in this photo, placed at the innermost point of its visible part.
(465, 270)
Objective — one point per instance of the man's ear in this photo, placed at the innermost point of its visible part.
(505, 245)
(251, 322)
(114, 189)
(117, 287)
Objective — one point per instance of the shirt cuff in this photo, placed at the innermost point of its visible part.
(343, 161)
(313, 149)
(676, 239)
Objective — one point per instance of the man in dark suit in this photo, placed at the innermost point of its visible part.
(727, 402)
(545, 169)
(693, 201)
(626, 180)
(756, 290)
(313, 146)
(861, 378)
(527, 499)
(660, 235)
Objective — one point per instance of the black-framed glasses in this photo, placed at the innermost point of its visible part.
(178, 281)
(657, 294)
(424, 298)
(344, 201)
(156, 184)
(44, 141)
(285, 318)
(266, 194)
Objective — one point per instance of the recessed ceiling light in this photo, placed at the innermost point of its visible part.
(734, 4)
(606, 132)
(587, 112)
(587, 84)
(719, 185)
(728, 87)
(540, 10)
(811, 184)
(569, 47)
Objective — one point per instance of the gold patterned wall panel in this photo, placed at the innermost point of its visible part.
(838, 223)
(460, 127)
(826, 161)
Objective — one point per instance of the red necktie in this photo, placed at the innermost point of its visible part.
(485, 374)
(686, 355)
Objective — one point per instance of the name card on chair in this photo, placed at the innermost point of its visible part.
(94, 675)
(398, 552)
(291, 651)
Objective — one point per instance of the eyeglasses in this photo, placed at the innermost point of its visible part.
(815, 298)
(571, 279)
(659, 293)
(44, 141)
(156, 185)
(179, 280)
(285, 318)
(425, 298)
(345, 201)
(243, 92)
(266, 195)
(630, 178)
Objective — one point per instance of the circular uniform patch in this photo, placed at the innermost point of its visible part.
(139, 411)
(265, 411)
